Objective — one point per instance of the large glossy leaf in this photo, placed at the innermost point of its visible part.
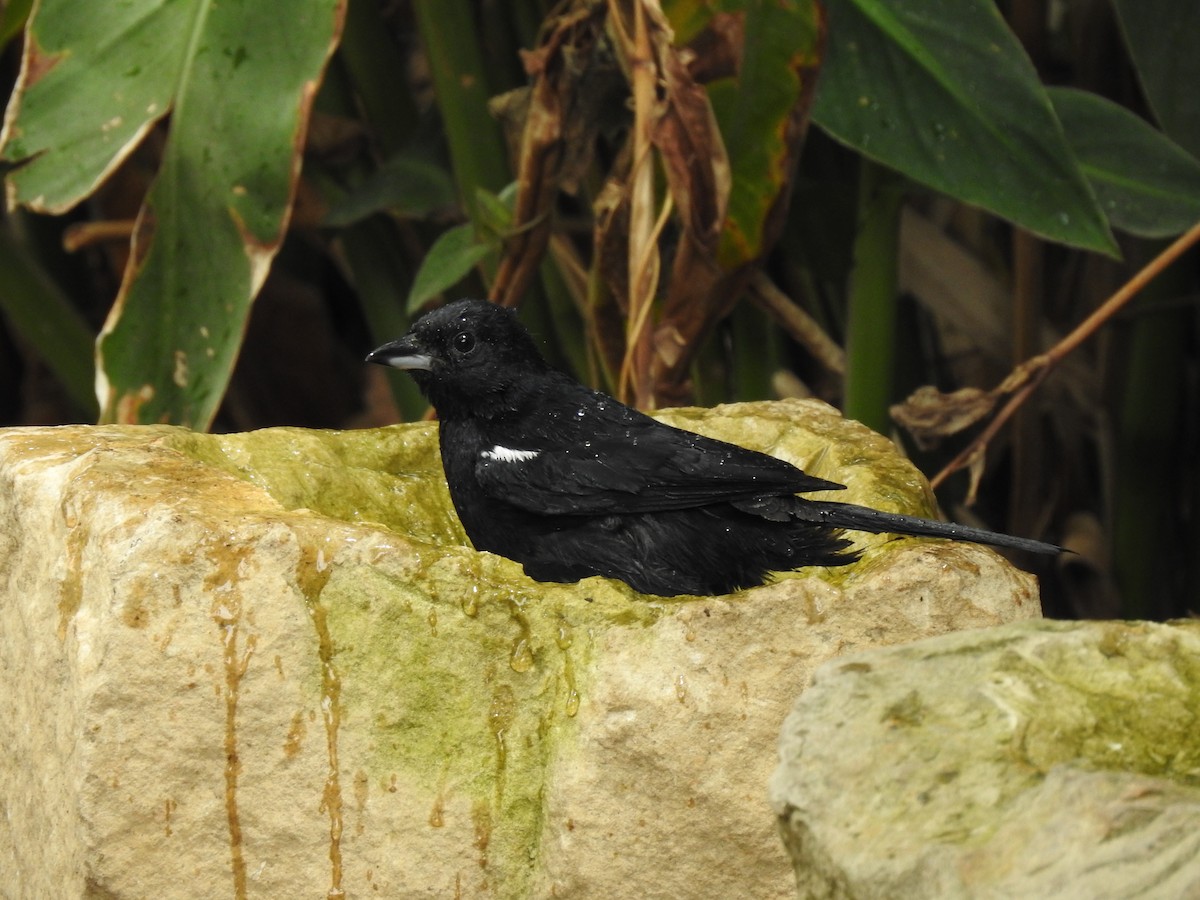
(1146, 184)
(762, 113)
(94, 78)
(238, 80)
(942, 91)
(1164, 40)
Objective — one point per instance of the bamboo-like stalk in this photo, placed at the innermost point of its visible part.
(477, 150)
(870, 337)
(372, 60)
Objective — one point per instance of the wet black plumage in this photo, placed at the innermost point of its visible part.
(571, 483)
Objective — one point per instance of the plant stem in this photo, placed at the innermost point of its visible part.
(1024, 379)
(477, 151)
(373, 63)
(870, 330)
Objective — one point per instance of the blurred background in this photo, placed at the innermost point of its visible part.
(213, 212)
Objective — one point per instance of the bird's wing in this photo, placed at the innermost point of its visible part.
(616, 460)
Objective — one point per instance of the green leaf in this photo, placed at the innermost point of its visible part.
(757, 114)
(494, 212)
(688, 18)
(448, 261)
(94, 78)
(942, 91)
(238, 79)
(1163, 37)
(403, 185)
(1146, 184)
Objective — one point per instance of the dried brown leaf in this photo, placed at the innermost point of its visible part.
(571, 78)
(929, 415)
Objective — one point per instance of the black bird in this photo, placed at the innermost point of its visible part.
(570, 483)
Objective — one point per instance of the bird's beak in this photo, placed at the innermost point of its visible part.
(401, 354)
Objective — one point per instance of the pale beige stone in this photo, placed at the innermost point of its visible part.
(268, 665)
(1038, 759)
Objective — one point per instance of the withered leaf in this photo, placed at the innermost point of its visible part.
(929, 415)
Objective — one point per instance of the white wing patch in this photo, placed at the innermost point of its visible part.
(507, 454)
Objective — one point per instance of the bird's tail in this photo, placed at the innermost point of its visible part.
(861, 518)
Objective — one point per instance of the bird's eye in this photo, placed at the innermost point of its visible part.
(463, 342)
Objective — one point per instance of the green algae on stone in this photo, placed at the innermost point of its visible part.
(470, 722)
(1034, 759)
(469, 673)
(1127, 700)
(391, 476)
(427, 685)
(972, 721)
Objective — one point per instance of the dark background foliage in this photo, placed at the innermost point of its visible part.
(698, 202)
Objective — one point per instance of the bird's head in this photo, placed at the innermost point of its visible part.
(467, 357)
